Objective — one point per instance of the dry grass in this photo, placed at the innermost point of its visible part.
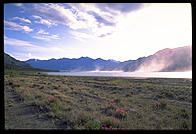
(107, 103)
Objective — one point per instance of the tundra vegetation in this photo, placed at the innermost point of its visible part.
(100, 103)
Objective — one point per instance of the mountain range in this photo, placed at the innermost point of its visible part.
(177, 59)
(77, 64)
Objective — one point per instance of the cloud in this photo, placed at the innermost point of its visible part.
(78, 16)
(28, 45)
(101, 19)
(60, 14)
(103, 35)
(81, 35)
(121, 7)
(22, 19)
(43, 21)
(41, 31)
(29, 50)
(43, 35)
(17, 27)
(16, 42)
(47, 37)
(18, 4)
(36, 17)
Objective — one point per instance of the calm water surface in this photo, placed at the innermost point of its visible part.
(126, 74)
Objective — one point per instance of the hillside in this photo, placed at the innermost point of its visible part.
(11, 63)
(177, 59)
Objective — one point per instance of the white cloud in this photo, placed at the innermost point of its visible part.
(36, 17)
(18, 27)
(34, 51)
(78, 17)
(47, 37)
(43, 35)
(22, 19)
(43, 21)
(41, 31)
(81, 35)
(18, 4)
(16, 42)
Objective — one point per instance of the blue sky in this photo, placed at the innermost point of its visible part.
(120, 31)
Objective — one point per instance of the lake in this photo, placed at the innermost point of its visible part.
(126, 74)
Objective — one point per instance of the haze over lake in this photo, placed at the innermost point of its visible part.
(126, 74)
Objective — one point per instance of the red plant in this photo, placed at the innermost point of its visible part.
(52, 98)
(114, 120)
(121, 113)
(42, 87)
(109, 128)
(112, 103)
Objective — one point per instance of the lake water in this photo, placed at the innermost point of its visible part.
(126, 74)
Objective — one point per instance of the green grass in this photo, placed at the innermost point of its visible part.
(105, 102)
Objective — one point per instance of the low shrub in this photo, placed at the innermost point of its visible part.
(84, 118)
(118, 100)
(55, 105)
(120, 113)
(163, 104)
(91, 124)
(160, 105)
(184, 114)
(110, 121)
(168, 94)
(184, 124)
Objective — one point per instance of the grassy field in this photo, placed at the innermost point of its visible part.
(104, 103)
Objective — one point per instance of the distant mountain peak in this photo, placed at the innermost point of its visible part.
(163, 60)
(99, 59)
(84, 57)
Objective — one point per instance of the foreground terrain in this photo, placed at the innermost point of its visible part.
(34, 100)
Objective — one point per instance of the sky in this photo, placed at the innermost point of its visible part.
(118, 31)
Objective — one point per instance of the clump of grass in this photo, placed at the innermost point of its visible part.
(42, 87)
(55, 87)
(121, 113)
(84, 118)
(91, 124)
(55, 105)
(10, 83)
(161, 105)
(110, 108)
(158, 96)
(128, 95)
(168, 94)
(184, 114)
(184, 124)
(110, 121)
(118, 100)
(117, 81)
(13, 74)
(115, 92)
